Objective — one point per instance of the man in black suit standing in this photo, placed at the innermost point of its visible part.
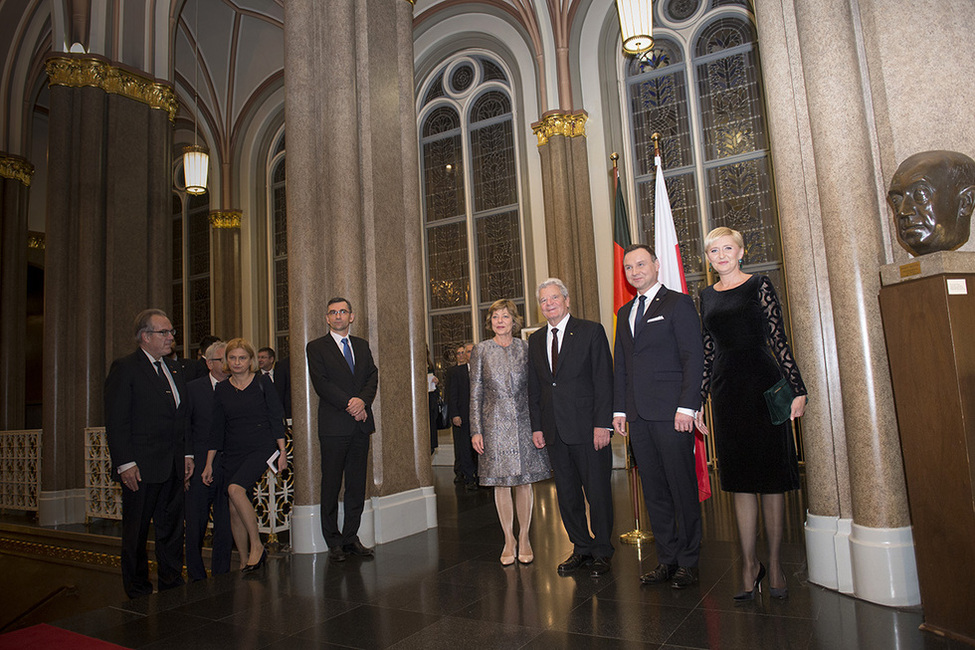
(200, 497)
(570, 401)
(346, 380)
(279, 372)
(459, 409)
(144, 424)
(659, 366)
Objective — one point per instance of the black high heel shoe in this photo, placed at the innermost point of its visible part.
(747, 596)
(254, 567)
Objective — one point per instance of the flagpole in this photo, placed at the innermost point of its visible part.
(635, 536)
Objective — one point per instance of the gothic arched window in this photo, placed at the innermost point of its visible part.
(472, 218)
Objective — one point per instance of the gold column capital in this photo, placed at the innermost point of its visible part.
(570, 125)
(35, 240)
(226, 218)
(78, 71)
(16, 168)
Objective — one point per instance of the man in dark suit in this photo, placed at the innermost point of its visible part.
(570, 401)
(346, 380)
(459, 409)
(200, 497)
(279, 372)
(144, 423)
(659, 365)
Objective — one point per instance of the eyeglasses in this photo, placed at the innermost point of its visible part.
(336, 312)
(220, 359)
(171, 332)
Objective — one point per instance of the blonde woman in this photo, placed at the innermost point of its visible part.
(248, 427)
(501, 429)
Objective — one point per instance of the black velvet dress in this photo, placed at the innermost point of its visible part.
(745, 354)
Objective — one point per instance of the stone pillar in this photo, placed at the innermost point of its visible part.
(225, 272)
(108, 250)
(354, 230)
(827, 179)
(568, 210)
(15, 175)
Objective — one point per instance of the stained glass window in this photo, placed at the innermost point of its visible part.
(471, 211)
(278, 235)
(712, 134)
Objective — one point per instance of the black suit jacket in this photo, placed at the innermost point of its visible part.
(459, 396)
(336, 384)
(199, 415)
(142, 422)
(579, 397)
(662, 369)
(282, 384)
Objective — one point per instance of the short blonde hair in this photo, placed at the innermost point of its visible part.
(239, 344)
(718, 233)
(505, 303)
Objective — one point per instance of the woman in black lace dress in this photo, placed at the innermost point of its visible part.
(746, 353)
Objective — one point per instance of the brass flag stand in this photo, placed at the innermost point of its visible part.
(635, 536)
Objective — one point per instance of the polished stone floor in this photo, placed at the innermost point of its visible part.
(445, 588)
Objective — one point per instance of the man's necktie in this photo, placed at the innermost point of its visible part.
(640, 310)
(555, 348)
(347, 353)
(163, 378)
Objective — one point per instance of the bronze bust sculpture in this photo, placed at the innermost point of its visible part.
(932, 195)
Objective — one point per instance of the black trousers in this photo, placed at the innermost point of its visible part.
(199, 499)
(464, 453)
(583, 474)
(162, 505)
(665, 458)
(343, 457)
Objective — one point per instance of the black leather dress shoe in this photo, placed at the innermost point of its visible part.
(684, 577)
(574, 562)
(337, 554)
(599, 567)
(661, 573)
(356, 548)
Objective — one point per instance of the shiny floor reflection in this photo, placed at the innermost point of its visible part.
(445, 588)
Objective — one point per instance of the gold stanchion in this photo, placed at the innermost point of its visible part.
(635, 536)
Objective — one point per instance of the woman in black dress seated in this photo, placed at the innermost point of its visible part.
(248, 426)
(746, 353)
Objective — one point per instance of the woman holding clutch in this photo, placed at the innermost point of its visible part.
(746, 353)
(248, 427)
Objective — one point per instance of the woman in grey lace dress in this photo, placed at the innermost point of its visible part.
(500, 428)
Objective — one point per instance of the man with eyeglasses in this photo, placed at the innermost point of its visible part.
(145, 426)
(346, 380)
(200, 497)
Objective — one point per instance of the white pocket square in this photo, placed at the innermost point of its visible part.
(653, 320)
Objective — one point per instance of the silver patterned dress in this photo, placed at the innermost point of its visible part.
(499, 412)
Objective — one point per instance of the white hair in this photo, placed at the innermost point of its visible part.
(549, 282)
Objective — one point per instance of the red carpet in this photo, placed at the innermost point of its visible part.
(47, 636)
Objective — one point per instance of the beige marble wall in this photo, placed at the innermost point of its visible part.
(826, 160)
(353, 222)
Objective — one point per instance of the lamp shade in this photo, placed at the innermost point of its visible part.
(636, 25)
(196, 163)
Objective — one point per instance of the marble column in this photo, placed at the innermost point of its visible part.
(568, 209)
(824, 146)
(15, 176)
(225, 272)
(354, 231)
(108, 250)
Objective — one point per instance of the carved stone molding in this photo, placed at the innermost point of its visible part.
(226, 218)
(570, 125)
(16, 168)
(78, 72)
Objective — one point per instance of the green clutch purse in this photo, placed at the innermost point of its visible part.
(779, 400)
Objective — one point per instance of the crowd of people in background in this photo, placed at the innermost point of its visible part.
(520, 412)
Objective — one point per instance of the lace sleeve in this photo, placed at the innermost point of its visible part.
(708, 354)
(775, 335)
(475, 364)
